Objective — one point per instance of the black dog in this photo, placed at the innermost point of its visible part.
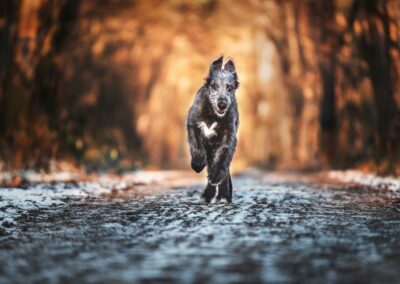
(212, 125)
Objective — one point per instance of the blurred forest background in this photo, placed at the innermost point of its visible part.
(107, 83)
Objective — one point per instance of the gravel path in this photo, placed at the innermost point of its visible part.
(279, 229)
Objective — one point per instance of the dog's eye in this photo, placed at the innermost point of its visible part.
(214, 86)
(229, 88)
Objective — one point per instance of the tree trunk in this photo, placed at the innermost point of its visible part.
(325, 40)
(374, 49)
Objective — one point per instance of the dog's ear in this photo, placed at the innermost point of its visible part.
(216, 64)
(230, 66)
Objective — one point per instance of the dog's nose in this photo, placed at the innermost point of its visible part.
(222, 105)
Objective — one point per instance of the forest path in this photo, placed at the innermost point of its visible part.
(280, 228)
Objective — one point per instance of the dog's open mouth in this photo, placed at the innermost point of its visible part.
(221, 112)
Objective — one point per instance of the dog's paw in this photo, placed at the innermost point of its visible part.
(208, 194)
(197, 167)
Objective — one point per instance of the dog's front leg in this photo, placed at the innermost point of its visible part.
(196, 149)
(219, 166)
(218, 169)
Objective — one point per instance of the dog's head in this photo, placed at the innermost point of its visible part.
(221, 85)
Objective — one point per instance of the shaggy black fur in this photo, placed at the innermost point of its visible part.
(212, 124)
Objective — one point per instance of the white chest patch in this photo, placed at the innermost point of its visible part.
(208, 131)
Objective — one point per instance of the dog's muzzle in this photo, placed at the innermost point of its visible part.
(222, 105)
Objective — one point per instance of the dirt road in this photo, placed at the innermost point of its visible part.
(280, 229)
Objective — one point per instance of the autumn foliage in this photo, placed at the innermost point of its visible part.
(108, 83)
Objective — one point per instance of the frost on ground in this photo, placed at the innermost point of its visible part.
(367, 179)
(152, 227)
(44, 192)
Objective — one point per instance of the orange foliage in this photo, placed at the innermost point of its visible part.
(111, 81)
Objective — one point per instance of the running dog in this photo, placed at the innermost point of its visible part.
(212, 124)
